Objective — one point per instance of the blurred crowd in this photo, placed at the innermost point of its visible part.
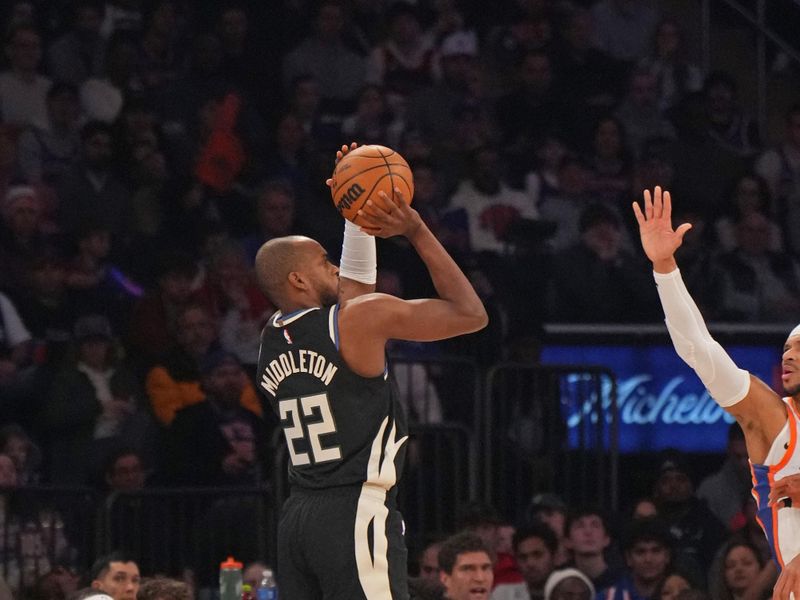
(148, 148)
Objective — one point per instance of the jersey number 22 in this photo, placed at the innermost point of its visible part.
(290, 409)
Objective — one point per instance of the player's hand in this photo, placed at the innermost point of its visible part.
(390, 217)
(788, 582)
(788, 487)
(339, 154)
(659, 240)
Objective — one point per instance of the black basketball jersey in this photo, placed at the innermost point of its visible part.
(340, 428)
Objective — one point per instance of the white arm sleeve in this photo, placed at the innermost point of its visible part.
(359, 260)
(727, 383)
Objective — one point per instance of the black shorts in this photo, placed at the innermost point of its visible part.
(341, 544)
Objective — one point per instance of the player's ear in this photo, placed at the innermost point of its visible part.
(297, 280)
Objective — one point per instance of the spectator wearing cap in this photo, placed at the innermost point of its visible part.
(598, 280)
(698, 534)
(534, 547)
(568, 584)
(433, 108)
(22, 235)
(551, 510)
(217, 441)
(174, 382)
(90, 405)
(648, 553)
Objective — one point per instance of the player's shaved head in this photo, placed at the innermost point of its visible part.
(275, 260)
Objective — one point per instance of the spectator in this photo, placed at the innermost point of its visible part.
(429, 562)
(564, 206)
(432, 109)
(91, 191)
(23, 451)
(647, 556)
(174, 383)
(668, 62)
(568, 584)
(17, 376)
(218, 442)
(529, 110)
(374, 121)
(77, 54)
(161, 47)
(275, 211)
(339, 71)
(60, 583)
(121, 16)
(466, 567)
(624, 28)
(644, 508)
(163, 588)
(600, 263)
(741, 572)
(489, 205)
(671, 586)
(94, 282)
(728, 125)
(587, 538)
(91, 405)
(235, 301)
(696, 531)
(534, 549)
(116, 575)
(639, 112)
(780, 167)
(23, 237)
(727, 489)
(589, 81)
(757, 285)
(550, 509)
(154, 322)
(124, 471)
(610, 162)
(48, 151)
(483, 520)
(23, 91)
(403, 62)
(103, 96)
(750, 193)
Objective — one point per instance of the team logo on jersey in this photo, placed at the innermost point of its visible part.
(287, 336)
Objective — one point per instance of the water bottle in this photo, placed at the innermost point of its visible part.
(267, 590)
(230, 580)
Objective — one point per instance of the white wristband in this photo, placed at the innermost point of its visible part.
(359, 257)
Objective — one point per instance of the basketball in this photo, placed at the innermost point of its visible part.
(364, 172)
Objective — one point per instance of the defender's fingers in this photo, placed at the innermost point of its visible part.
(648, 204)
(638, 213)
(682, 229)
(658, 203)
(667, 205)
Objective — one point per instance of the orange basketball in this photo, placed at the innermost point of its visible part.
(364, 172)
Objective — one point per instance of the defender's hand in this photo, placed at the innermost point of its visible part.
(659, 240)
(788, 585)
(788, 487)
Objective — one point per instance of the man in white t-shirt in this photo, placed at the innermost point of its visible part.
(23, 91)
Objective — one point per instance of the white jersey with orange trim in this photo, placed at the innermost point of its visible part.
(780, 522)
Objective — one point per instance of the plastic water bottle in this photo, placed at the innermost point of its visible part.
(267, 590)
(230, 580)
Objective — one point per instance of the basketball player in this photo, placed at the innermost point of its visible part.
(770, 423)
(322, 366)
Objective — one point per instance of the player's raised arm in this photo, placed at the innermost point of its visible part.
(358, 266)
(756, 407)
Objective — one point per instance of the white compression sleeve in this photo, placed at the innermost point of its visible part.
(359, 261)
(727, 383)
